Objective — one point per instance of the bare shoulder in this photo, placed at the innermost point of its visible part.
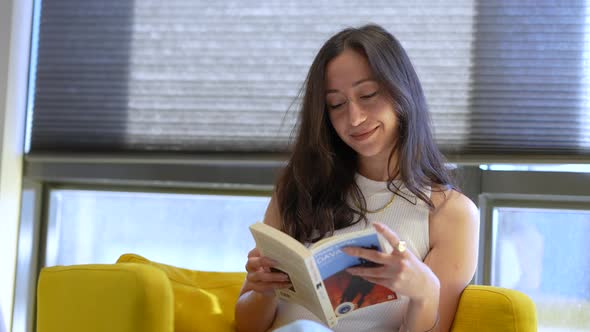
(452, 211)
(451, 203)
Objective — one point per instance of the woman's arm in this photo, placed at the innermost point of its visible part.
(454, 236)
(435, 285)
(255, 311)
(257, 305)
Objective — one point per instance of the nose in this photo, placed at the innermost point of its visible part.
(356, 114)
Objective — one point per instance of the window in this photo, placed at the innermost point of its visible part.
(544, 253)
(205, 232)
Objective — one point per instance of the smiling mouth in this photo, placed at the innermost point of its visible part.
(365, 135)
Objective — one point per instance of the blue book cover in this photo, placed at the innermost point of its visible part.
(347, 292)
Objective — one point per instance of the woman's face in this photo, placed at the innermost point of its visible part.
(359, 109)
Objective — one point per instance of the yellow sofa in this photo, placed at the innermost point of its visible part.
(137, 295)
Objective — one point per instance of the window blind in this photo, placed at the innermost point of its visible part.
(531, 78)
(122, 75)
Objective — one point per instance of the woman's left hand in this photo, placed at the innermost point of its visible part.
(401, 272)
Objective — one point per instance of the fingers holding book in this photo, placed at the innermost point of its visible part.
(262, 277)
(400, 270)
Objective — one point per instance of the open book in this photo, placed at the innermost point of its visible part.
(318, 273)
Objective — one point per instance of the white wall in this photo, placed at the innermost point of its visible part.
(15, 31)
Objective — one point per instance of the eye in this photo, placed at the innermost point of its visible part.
(335, 103)
(335, 106)
(369, 95)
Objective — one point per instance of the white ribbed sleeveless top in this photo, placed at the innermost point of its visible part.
(409, 219)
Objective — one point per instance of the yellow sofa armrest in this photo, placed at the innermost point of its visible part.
(203, 301)
(114, 298)
(488, 308)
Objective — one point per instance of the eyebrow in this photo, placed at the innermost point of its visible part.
(353, 84)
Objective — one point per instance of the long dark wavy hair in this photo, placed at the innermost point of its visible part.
(313, 189)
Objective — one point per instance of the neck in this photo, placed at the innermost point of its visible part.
(375, 167)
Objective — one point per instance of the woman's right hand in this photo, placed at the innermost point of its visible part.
(260, 278)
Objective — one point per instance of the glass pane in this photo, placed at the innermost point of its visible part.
(577, 168)
(205, 232)
(544, 253)
(3, 326)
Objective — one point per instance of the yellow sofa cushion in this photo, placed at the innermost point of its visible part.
(203, 301)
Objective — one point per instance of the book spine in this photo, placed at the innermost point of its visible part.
(321, 292)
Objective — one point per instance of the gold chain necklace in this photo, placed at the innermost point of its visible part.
(380, 209)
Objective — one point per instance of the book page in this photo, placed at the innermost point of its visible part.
(293, 259)
(347, 292)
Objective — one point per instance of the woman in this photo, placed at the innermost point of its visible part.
(365, 157)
